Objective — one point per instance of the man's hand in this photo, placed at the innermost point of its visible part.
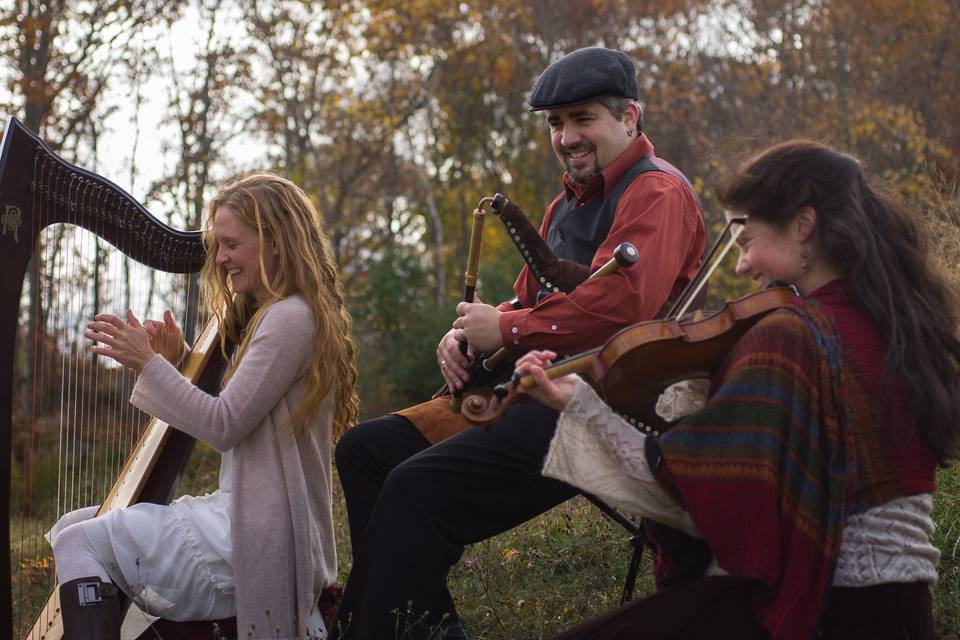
(479, 325)
(453, 364)
(165, 337)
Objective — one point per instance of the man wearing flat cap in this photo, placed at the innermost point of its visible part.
(416, 496)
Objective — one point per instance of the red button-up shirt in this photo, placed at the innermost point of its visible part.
(660, 216)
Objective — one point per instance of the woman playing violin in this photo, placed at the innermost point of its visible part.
(797, 502)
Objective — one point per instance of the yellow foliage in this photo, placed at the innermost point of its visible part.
(938, 201)
(894, 141)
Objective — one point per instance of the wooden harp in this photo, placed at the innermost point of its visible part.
(39, 191)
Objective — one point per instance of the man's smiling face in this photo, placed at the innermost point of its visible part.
(587, 138)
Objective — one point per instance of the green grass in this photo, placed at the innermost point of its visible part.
(546, 575)
(946, 514)
(31, 566)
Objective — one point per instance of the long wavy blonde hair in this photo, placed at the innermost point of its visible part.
(282, 213)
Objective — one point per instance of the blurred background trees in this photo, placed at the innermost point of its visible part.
(397, 117)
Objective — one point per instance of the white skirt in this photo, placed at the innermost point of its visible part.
(174, 561)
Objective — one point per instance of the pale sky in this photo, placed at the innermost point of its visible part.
(181, 43)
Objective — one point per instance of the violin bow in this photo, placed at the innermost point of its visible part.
(735, 226)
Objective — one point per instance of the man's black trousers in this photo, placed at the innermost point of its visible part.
(413, 507)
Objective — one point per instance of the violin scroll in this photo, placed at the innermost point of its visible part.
(481, 409)
(484, 406)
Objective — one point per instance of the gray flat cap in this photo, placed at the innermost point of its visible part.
(583, 76)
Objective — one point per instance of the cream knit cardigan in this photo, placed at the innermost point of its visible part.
(282, 521)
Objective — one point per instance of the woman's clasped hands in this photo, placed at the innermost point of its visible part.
(133, 344)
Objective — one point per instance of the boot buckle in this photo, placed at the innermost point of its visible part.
(92, 593)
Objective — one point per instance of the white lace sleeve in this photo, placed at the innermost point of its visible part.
(600, 453)
(889, 543)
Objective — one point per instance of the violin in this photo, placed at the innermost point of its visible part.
(633, 368)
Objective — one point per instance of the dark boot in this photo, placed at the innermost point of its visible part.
(91, 610)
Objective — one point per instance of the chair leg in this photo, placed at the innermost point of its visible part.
(631, 580)
(638, 541)
(91, 609)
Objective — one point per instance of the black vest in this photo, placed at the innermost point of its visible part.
(576, 233)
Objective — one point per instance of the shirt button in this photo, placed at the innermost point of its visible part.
(514, 330)
(554, 327)
(516, 342)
